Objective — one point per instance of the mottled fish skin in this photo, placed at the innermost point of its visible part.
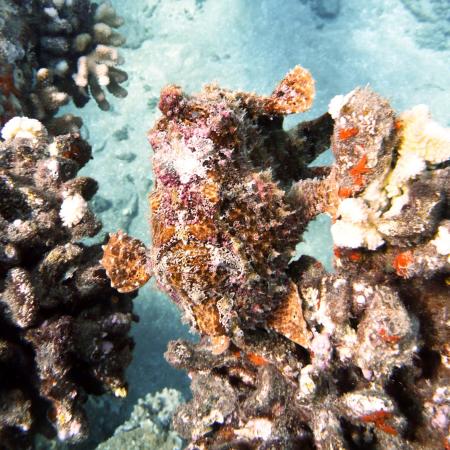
(223, 230)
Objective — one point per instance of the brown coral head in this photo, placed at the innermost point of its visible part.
(294, 94)
(125, 262)
(171, 100)
(74, 147)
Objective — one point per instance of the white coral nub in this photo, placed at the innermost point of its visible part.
(98, 64)
(24, 128)
(424, 137)
(256, 429)
(73, 209)
(353, 210)
(354, 229)
(407, 167)
(442, 241)
(336, 104)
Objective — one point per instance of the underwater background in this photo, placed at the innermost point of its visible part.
(401, 48)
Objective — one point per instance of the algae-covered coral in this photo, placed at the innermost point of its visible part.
(291, 356)
(64, 331)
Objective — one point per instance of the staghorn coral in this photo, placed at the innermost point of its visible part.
(63, 330)
(291, 356)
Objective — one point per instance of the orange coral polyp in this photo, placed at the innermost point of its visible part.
(387, 428)
(345, 192)
(257, 360)
(379, 418)
(347, 133)
(355, 256)
(402, 262)
(389, 338)
(360, 169)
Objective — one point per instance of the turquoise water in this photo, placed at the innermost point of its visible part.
(248, 45)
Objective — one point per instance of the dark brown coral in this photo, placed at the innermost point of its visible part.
(63, 329)
(54, 52)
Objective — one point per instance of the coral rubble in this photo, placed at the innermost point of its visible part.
(63, 329)
(52, 51)
(291, 356)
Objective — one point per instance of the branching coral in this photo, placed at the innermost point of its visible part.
(52, 51)
(63, 330)
(77, 41)
(291, 356)
(98, 69)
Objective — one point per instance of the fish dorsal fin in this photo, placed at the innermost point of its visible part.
(294, 94)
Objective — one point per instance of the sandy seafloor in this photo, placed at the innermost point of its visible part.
(247, 45)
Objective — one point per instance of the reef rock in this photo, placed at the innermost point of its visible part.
(291, 356)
